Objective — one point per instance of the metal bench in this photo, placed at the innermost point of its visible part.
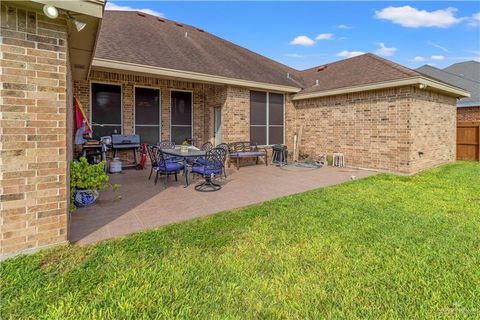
(238, 150)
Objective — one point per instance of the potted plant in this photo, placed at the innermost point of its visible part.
(85, 181)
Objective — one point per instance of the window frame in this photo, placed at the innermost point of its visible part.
(170, 111)
(159, 110)
(91, 101)
(267, 111)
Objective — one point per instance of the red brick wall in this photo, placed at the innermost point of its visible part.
(468, 114)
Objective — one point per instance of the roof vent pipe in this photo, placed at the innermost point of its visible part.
(317, 82)
(186, 34)
(288, 75)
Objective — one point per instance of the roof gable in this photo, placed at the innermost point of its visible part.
(359, 70)
(467, 69)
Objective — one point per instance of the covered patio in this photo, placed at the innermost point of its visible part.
(145, 205)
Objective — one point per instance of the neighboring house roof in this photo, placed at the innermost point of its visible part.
(467, 69)
(456, 80)
(142, 43)
(148, 40)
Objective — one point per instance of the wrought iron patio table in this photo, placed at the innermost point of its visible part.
(191, 153)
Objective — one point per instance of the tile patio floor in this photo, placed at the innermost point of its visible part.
(144, 205)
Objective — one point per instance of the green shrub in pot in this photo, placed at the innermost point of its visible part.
(85, 181)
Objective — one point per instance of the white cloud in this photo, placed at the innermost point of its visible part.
(438, 58)
(302, 41)
(419, 59)
(324, 36)
(294, 55)
(343, 26)
(433, 44)
(410, 17)
(114, 7)
(474, 20)
(349, 54)
(384, 51)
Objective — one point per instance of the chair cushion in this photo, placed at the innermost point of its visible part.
(200, 161)
(206, 171)
(171, 166)
(173, 159)
(247, 154)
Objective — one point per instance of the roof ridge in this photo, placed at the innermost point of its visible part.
(474, 61)
(330, 63)
(138, 12)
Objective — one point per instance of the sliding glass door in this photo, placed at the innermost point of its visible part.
(181, 116)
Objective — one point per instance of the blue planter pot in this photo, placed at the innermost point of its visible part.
(83, 198)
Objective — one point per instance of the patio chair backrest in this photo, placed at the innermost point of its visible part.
(223, 146)
(215, 159)
(207, 146)
(153, 155)
(166, 144)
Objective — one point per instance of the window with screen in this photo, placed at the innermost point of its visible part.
(147, 115)
(266, 118)
(181, 116)
(106, 109)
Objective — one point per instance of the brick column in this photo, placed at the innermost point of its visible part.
(33, 152)
(236, 115)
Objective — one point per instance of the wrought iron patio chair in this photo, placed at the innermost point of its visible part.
(163, 166)
(225, 147)
(167, 144)
(207, 146)
(153, 155)
(212, 167)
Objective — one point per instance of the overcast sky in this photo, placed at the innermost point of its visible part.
(307, 34)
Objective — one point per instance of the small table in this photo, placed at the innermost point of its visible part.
(97, 148)
(184, 155)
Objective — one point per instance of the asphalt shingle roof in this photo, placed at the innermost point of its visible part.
(144, 39)
(359, 70)
(455, 80)
(148, 40)
(467, 69)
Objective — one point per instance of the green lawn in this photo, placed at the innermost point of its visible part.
(382, 247)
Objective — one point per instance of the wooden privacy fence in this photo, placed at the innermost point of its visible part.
(468, 141)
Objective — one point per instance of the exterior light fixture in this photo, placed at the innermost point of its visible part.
(50, 11)
(79, 25)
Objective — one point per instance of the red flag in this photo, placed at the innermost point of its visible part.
(80, 117)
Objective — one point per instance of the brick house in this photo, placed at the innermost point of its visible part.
(186, 83)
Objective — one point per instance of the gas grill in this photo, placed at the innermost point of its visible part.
(126, 142)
